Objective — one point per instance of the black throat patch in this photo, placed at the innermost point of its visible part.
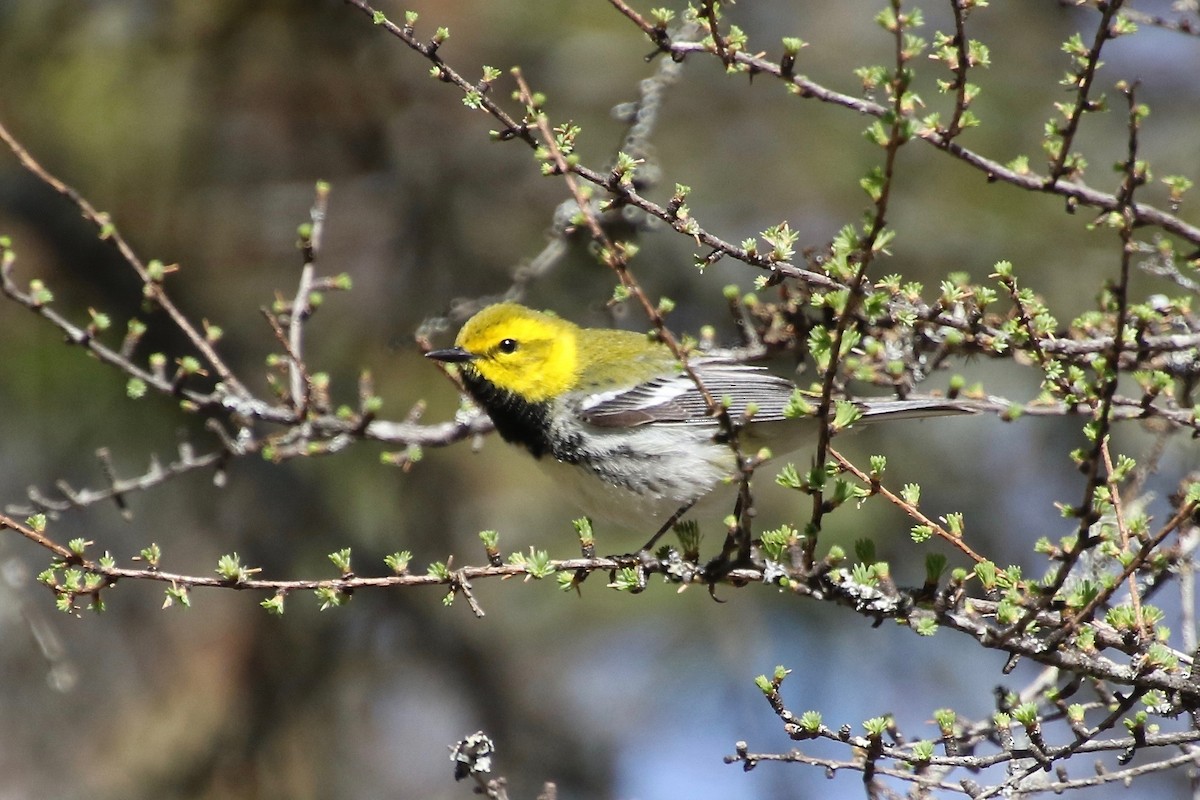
(517, 420)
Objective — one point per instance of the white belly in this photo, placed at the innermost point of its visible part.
(639, 482)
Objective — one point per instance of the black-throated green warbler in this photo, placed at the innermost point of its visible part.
(612, 416)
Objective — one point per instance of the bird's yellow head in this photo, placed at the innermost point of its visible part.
(519, 350)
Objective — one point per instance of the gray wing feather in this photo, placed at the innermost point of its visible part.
(912, 408)
(675, 398)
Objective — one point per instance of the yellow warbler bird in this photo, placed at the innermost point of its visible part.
(614, 419)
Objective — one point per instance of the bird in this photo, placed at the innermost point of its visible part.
(617, 422)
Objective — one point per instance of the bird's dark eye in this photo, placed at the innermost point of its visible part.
(508, 345)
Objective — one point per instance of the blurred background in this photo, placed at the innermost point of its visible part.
(202, 128)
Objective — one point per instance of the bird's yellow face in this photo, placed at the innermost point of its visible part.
(530, 354)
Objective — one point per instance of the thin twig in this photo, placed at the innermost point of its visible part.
(301, 308)
(905, 506)
(1114, 492)
(154, 288)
